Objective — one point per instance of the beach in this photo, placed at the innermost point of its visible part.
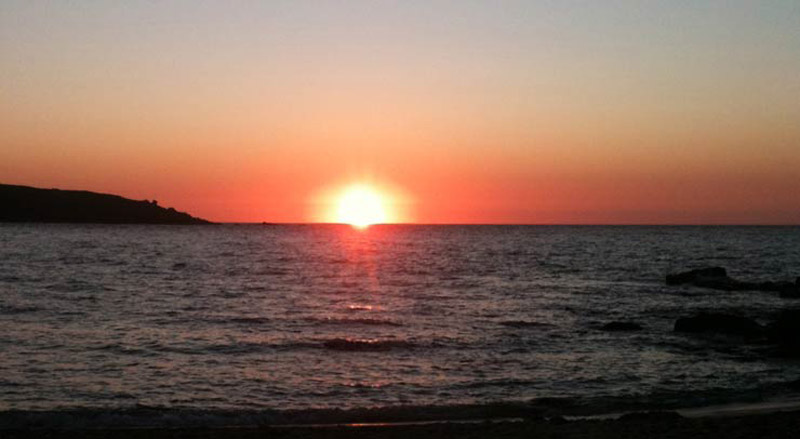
(744, 424)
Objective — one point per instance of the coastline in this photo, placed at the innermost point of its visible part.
(745, 421)
(506, 420)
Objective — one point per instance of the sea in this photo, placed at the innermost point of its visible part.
(250, 324)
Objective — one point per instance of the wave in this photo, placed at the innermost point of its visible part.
(524, 324)
(365, 344)
(245, 348)
(119, 349)
(143, 416)
(257, 320)
(249, 320)
(18, 309)
(241, 348)
(12, 279)
(359, 321)
(360, 307)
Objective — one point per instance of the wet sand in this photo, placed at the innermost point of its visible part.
(781, 424)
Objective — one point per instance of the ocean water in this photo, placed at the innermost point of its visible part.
(255, 318)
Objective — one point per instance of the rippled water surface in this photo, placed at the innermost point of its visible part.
(253, 317)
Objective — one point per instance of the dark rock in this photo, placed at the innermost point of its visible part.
(719, 323)
(716, 278)
(792, 292)
(785, 331)
(786, 289)
(792, 385)
(712, 277)
(775, 286)
(621, 326)
(724, 284)
(692, 276)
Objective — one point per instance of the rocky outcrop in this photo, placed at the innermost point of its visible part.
(792, 293)
(720, 323)
(717, 278)
(33, 205)
(784, 332)
(621, 326)
(698, 275)
(781, 337)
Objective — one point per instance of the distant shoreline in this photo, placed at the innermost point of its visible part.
(25, 204)
(271, 224)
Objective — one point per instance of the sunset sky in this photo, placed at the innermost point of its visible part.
(458, 111)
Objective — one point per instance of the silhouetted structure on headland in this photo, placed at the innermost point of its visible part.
(29, 204)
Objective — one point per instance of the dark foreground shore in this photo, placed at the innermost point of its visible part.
(646, 425)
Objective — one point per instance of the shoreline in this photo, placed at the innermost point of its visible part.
(401, 418)
(778, 423)
(711, 411)
(788, 404)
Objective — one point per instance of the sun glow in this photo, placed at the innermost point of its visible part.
(361, 206)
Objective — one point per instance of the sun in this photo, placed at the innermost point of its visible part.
(361, 203)
(361, 206)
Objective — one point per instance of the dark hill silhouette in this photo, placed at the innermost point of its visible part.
(29, 204)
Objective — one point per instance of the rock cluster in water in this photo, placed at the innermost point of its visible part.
(717, 278)
(783, 333)
(719, 323)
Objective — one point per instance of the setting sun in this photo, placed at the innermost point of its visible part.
(361, 206)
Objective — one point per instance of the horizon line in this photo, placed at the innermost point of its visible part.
(315, 223)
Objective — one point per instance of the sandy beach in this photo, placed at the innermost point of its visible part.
(770, 420)
(657, 425)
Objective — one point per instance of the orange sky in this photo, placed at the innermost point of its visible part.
(549, 113)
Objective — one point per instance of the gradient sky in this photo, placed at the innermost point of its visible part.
(475, 112)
